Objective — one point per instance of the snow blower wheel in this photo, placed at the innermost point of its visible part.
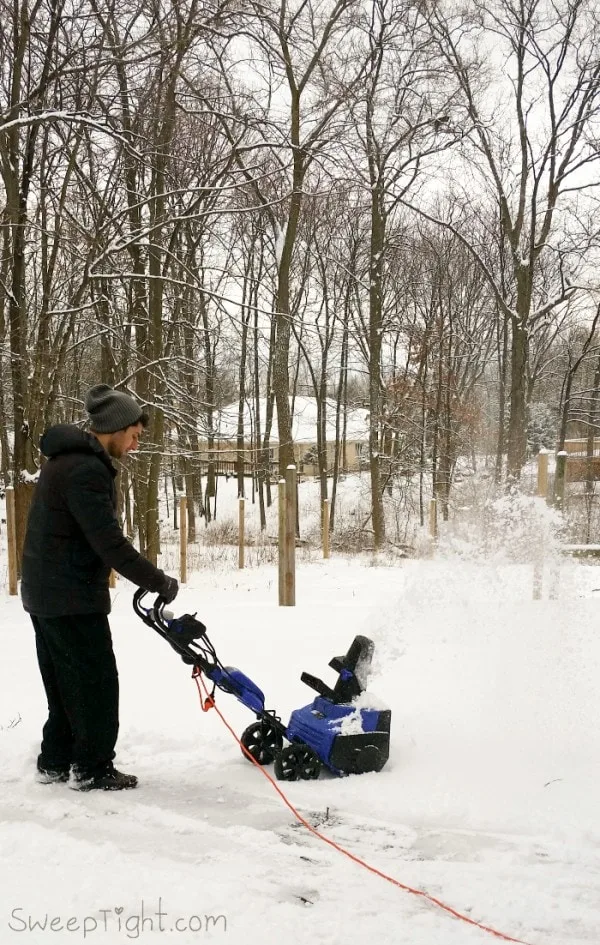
(297, 763)
(262, 741)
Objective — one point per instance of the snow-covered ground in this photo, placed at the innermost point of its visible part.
(489, 801)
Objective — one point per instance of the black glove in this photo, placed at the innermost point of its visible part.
(170, 589)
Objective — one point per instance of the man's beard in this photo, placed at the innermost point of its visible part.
(114, 451)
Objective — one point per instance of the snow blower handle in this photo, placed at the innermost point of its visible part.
(144, 613)
(161, 615)
(180, 632)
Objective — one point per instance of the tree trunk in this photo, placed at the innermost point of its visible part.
(517, 423)
(374, 334)
(502, 365)
(281, 378)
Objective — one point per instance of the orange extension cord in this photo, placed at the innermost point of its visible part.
(209, 703)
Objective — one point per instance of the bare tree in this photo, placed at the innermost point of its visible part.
(309, 76)
(529, 81)
(398, 120)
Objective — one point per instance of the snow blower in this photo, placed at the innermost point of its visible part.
(340, 729)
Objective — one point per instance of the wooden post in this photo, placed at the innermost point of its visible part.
(325, 528)
(241, 533)
(289, 577)
(183, 539)
(433, 524)
(542, 491)
(559, 479)
(281, 540)
(11, 537)
(542, 474)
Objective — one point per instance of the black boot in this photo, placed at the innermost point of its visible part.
(107, 779)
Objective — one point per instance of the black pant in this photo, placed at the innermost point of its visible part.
(80, 677)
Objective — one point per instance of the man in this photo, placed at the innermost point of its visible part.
(73, 540)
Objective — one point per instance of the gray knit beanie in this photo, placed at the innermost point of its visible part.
(111, 410)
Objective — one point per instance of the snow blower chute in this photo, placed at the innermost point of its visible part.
(340, 729)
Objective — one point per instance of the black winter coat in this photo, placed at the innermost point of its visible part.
(73, 536)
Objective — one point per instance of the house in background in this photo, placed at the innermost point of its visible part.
(304, 433)
(580, 467)
(578, 446)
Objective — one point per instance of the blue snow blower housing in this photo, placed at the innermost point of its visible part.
(339, 729)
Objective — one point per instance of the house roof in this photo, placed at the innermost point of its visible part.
(304, 421)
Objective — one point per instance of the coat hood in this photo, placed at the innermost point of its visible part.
(66, 438)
